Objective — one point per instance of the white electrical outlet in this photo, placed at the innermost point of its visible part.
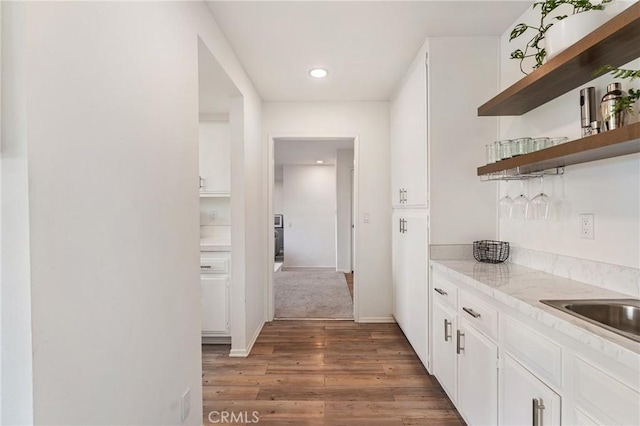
(185, 405)
(213, 214)
(586, 226)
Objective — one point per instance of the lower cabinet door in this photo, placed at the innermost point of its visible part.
(477, 376)
(215, 305)
(444, 328)
(525, 400)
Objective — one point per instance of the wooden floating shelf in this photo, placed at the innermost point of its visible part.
(615, 43)
(614, 143)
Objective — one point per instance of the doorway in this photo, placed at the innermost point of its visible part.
(312, 203)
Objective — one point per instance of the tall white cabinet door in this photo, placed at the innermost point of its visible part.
(415, 265)
(444, 348)
(401, 294)
(477, 376)
(411, 305)
(408, 123)
(525, 400)
(215, 156)
(214, 301)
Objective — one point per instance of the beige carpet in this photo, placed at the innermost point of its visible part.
(311, 295)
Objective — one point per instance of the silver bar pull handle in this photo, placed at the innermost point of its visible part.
(400, 195)
(471, 312)
(441, 291)
(404, 226)
(447, 335)
(405, 196)
(459, 347)
(205, 266)
(400, 222)
(537, 407)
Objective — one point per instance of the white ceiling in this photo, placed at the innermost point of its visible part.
(215, 88)
(293, 151)
(365, 45)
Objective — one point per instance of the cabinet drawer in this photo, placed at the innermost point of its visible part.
(479, 314)
(214, 263)
(540, 355)
(444, 291)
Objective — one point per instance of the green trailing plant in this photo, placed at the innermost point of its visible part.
(625, 103)
(534, 48)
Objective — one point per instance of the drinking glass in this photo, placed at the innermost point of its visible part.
(505, 204)
(557, 141)
(520, 204)
(505, 149)
(522, 146)
(490, 153)
(540, 143)
(538, 207)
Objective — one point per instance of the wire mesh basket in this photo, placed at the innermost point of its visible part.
(490, 251)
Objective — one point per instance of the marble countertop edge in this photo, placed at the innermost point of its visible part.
(525, 298)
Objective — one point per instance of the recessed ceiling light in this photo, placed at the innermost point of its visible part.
(318, 73)
(319, 162)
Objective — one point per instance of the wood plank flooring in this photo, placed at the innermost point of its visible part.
(324, 373)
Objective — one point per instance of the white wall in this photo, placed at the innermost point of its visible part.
(277, 197)
(309, 208)
(370, 122)
(16, 345)
(610, 189)
(113, 207)
(344, 166)
(462, 76)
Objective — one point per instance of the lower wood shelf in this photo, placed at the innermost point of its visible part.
(614, 143)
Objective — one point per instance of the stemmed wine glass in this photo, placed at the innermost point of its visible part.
(520, 204)
(505, 204)
(539, 206)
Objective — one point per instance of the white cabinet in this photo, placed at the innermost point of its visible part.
(214, 293)
(465, 358)
(408, 128)
(410, 278)
(477, 376)
(215, 310)
(215, 157)
(525, 400)
(445, 325)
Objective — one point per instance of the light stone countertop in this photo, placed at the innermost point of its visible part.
(522, 289)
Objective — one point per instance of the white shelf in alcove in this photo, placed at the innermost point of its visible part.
(215, 195)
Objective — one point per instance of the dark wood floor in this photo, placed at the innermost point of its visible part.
(325, 373)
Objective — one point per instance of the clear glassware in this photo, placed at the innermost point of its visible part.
(520, 204)
(505, 204)
(539, 205)
(497, 151)
(490, 153)
(521, 146)
(505, 149)
(558, 140)
(540, 143)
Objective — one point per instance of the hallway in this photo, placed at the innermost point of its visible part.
(324, 373)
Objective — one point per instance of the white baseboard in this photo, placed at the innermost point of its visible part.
(243, 353)
(388, 319)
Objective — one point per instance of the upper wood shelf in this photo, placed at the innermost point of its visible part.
(614, 143)
(615, 43)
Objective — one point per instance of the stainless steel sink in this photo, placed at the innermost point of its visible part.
(621, 316)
